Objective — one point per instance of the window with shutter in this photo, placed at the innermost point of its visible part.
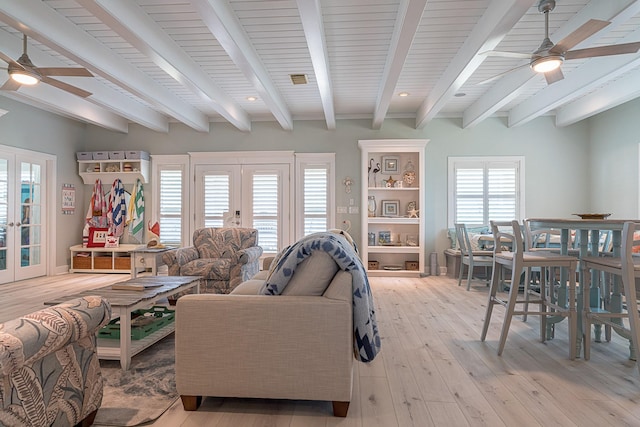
(315, 195)
(169, 200)
(485, 188)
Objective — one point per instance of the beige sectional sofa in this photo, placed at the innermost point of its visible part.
(298, 345)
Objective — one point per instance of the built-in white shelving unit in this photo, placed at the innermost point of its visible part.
(129, 170)
(402, 253)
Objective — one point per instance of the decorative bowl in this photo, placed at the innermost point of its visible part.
(593, 215)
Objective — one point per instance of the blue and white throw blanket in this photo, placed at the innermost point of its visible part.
(366, 338)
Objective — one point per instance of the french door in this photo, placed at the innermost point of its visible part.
(247, 195)
(23, 198)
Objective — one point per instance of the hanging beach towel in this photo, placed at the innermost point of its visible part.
(117, 212)
(97, 213)
(135, 215)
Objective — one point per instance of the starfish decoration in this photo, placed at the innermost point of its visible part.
(390, 182)
(413, 213)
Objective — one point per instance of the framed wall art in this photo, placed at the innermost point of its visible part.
(390, 207)
(390, 164)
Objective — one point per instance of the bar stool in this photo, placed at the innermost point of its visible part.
(627, 267)
(468, 258)
(518, 260)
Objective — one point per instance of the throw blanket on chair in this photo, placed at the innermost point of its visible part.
(366, 338)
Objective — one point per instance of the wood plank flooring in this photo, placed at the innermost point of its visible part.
(432, 371)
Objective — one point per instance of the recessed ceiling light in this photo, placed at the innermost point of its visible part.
(460, 94)
(252, 98)
(403, 94)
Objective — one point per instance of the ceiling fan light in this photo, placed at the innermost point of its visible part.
(546, 64)
(24, 77)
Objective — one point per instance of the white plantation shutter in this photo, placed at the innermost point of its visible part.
(315, 193)
(485, 189)
(170, 217)
(216, 199)
(266, 199)
(170, 198)
(315, 200)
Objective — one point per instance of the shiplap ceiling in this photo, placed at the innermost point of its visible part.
(201, 61)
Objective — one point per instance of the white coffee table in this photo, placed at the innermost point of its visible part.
(125, 302)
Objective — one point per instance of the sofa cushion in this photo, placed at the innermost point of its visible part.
(483, 229)
(250, 287)
(312, 276)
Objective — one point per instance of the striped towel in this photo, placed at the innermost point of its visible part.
(135, 215)
(97, 212)
(117, 211)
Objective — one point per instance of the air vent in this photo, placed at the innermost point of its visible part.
(298, 79)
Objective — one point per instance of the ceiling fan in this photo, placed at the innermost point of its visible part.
(548, 57)
(23, 72)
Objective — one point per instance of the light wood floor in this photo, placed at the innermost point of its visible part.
(432, 371)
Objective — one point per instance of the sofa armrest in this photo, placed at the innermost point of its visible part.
(46, 331)
(289, 347)
(176, 258)
(248, 255)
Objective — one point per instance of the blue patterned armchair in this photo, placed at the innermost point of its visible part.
(225, 257)
(49, 369)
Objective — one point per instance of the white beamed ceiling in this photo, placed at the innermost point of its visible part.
(198, 61)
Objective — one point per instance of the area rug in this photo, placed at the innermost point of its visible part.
(142, 393)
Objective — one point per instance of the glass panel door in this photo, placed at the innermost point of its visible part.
(6, 238)
(30, 222)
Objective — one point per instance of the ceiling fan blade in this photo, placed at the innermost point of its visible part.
(612, 49)
(506, 54)
(66, 87)
(64, 71)
(497, 76)
(10, 85)
(586, 30)
(8, 60)
(554, 76)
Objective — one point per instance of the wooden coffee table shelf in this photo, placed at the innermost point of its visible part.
(124, 302)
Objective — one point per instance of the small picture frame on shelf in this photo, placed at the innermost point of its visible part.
(97, 237)
(384, 237)
(390, 164)
(390, 207)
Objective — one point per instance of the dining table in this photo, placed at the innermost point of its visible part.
(587, 233)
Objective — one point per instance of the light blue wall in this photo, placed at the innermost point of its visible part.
(33, 129)
(564, 166)
(614, 157)
(555, 173)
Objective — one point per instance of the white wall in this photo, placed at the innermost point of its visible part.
(556, 176)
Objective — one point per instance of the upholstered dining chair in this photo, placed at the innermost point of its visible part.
(623, 303)
(518, 260)
(467, 256)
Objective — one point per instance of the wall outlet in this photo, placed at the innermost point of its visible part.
(342, 209)
(354, 210)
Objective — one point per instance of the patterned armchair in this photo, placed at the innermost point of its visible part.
(225, 257)
(49, 369)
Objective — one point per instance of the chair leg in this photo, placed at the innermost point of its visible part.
(573, 316)
(544, 286)
(527, 281)
(628, 281)
(586, 310)
(469, 275)
(461, 272)
(88, 420)
(496, 277)
(511, 305)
